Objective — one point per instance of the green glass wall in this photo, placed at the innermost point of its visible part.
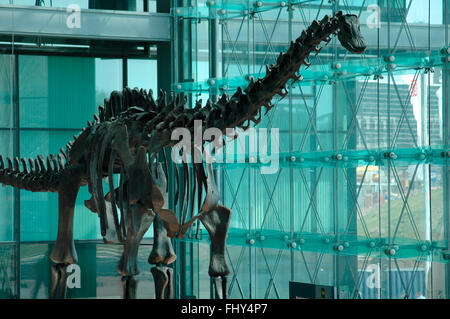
(359, 201)
(56, 96)
(46, 98)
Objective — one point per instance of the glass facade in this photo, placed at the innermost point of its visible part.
(49, 90)
(47, 85)
(359, 200)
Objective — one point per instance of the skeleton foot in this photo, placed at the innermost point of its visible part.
(59, 280)
(129, 285)
(221, 287)
(163, 277)
(216, 222)
(162, 252)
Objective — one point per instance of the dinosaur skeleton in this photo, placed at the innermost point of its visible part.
(129, 138)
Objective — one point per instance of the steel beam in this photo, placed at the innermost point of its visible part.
(94, 24)
(279, 38)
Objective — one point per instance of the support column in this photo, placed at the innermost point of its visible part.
(213, 47)
(446, 121)
(16, 191)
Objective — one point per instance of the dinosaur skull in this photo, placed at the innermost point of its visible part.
(350, 34)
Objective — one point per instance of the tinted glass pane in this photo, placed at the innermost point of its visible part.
(8, 258)
(142, 74)
(39, 211)
(56, 92)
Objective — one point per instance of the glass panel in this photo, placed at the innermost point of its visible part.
(6, 89)
(39, 211)
(8, 283)
(51, 84)
(108, 77)
(143, 74)
(52, 111)
(366, 134)
(75, 85)
(7, 199)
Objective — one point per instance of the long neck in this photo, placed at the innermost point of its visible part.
(245, 105)
(260, 92)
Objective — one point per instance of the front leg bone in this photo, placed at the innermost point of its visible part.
(216, 223)
(138, 223)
